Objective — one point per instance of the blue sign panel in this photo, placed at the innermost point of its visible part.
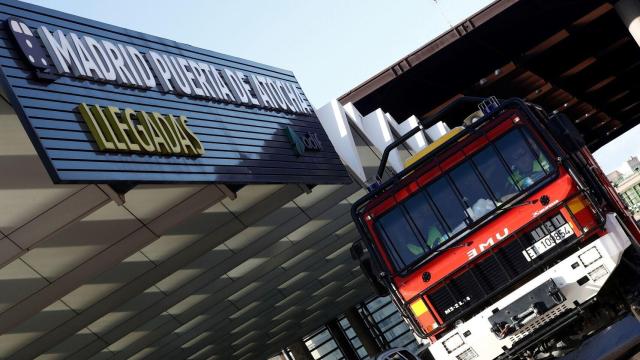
(103, 104)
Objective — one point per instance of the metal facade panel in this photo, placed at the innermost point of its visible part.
(243, 143)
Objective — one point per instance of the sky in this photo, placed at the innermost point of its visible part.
(330, 45)
(613, 156)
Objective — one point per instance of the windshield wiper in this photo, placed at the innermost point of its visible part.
(443, 248)
(527, 202)
(434, 252)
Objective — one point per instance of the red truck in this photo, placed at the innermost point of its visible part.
(501, 239)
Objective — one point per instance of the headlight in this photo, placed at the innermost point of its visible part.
(590, 256)
(453, 342)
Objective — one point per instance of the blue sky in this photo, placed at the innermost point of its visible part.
(330, 45)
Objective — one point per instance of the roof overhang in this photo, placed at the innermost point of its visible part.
(572, 56)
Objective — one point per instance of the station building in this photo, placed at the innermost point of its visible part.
(164, 201)
(628, 185)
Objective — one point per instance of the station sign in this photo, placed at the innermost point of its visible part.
(103, 104)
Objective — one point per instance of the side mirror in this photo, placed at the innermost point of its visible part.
(357, 251)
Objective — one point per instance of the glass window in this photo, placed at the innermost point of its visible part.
(542, 160)
(384, 313)
(495, 174)
(526, 166)
(389, 322)
(425, 219)
(353, 339)
(378, 303)
(448, 204)
(393, 328)
(397, 331)
(446, 207)
(474, 195)
(405, 247)
(334, 355)
(318, 339)
(322, 346)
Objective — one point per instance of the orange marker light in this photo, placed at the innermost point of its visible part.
(423, 315)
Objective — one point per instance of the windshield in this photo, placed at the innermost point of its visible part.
(447, 206)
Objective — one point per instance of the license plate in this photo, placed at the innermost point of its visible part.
(543, 245)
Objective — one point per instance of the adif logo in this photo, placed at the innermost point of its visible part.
(32, 48)
(307, 142)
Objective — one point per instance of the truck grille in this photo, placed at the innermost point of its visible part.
(493, 272)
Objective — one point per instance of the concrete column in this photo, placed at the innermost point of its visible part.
(300, 350)
(629, 12)
(363, 332)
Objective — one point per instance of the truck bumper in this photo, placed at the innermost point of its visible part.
(579, 278)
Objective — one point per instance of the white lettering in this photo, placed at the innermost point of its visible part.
(504, 234)
(129, 65)
(234, 85)
(457, 305)
(61, 52)
(101, 58)
(259, 84)
(177, 77)
(123, 76)
(276, 94)
(487, 244)
(247, 88)
(224, 89)
(90, 67)
(291, 94)
(201, 79)
(215, 91)
(283, 92)
(142, 67)
(184, 66)
(540, 211)
(161, 69)
(303, 101)
(472, 253)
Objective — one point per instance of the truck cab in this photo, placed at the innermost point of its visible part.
(496, 239)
